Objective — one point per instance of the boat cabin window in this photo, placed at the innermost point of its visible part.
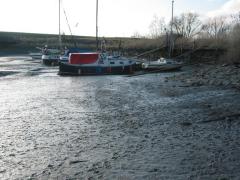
(130, 62)
(112, 62)
(121, 62)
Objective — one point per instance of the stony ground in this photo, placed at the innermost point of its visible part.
(115, 127)
(222, 75)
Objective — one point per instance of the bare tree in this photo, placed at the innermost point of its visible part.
(236, 18)
(216, 28)
(187, 25)
(157, 27)
(136, 34)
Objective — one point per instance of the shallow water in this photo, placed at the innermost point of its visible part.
(113, 127)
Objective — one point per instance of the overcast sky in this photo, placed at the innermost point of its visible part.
(116, 17)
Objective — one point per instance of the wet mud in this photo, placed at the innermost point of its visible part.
(114, 127)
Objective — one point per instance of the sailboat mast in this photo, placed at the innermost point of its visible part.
(171, 34)
(97, 25)
(59, 25)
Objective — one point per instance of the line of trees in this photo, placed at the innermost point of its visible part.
(222, 32)
(189, 25)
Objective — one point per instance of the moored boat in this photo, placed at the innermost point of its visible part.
(162, 64)
(95, 64)
(50, 57)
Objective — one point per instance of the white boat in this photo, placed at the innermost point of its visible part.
(162, 64)
(50, 56)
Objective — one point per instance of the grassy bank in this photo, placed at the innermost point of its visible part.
(25, 42)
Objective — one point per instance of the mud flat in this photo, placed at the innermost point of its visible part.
(115, 127)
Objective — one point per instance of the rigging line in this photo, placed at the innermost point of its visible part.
(65, 14)
(67, 21)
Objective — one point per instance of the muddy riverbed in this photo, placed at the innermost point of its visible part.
(114, 127)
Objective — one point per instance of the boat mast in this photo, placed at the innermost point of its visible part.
(171, 34)
(97, 25)
(59, 25)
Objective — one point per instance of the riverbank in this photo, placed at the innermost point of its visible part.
(221, 75)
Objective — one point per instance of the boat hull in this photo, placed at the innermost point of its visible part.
(50, 62)
(78, 70)
(163, 67)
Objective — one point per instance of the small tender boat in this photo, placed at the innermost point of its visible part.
(95, 64)
(162, 64)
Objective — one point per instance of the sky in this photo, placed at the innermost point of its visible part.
(117, 18)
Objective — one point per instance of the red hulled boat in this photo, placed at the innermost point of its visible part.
(96, 64)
